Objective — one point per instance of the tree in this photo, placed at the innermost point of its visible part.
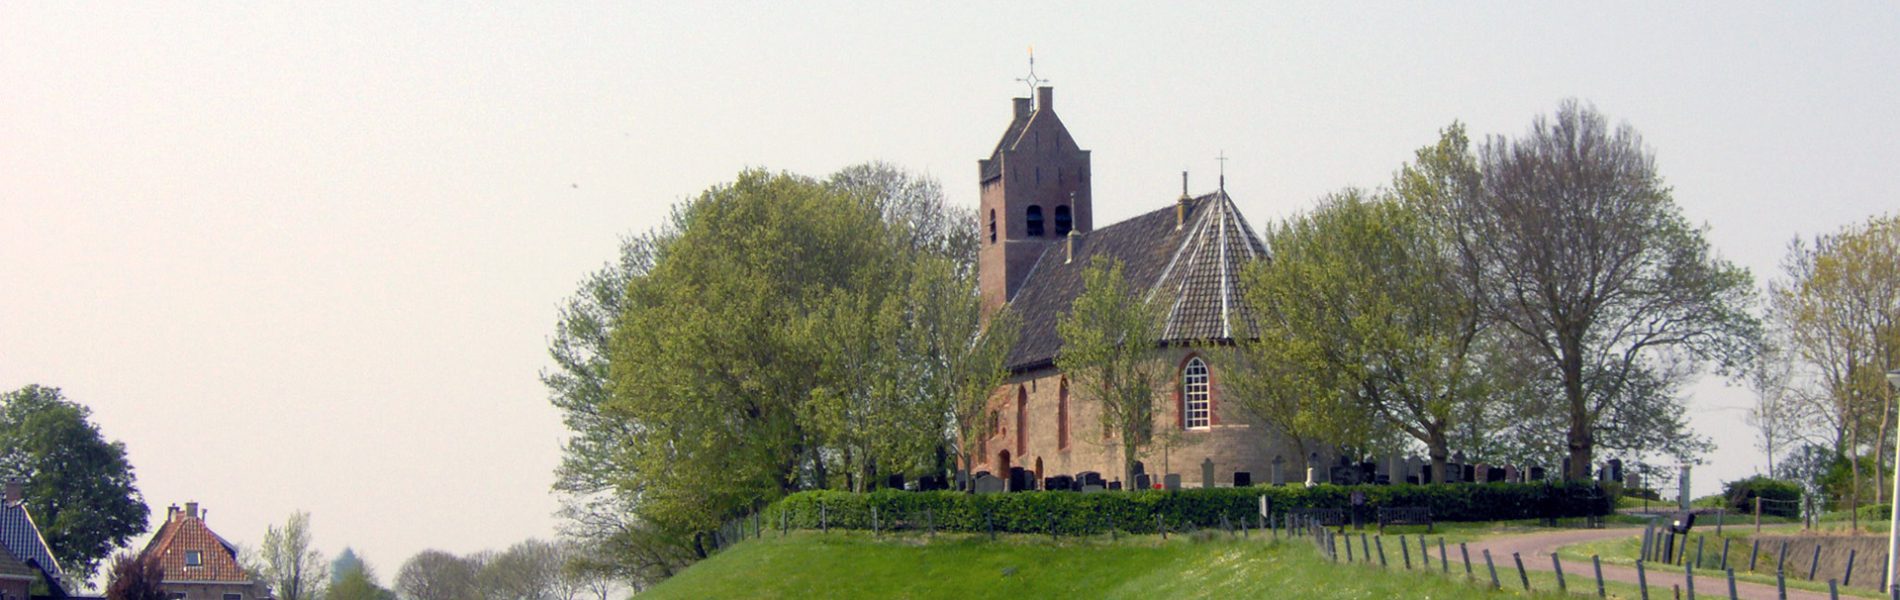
(80, 487)
(1360, 304)
(357, 584)
(436, 575)
(294, 570)
(529, 570)
(1110, 352)
(134, 579)
(1837, 313)
(1577, 247)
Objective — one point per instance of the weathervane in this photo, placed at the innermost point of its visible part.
(1032, 79)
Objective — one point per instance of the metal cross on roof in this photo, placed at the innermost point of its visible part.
(1032, 80)
(1223, 168)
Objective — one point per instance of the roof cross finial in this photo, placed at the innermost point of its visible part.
(1032, 80)
(1223, 169)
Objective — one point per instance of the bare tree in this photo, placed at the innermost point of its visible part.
(294, 570)
(436, 575)
(1577, 246)
(528, 570)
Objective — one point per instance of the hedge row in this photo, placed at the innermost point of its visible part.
(1779, 497)
(1072, 513)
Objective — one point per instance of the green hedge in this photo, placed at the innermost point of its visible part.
(1072, 513)
(1785, 496)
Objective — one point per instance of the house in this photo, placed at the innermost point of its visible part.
(200, 565)
(1037, 236)
(26, 562)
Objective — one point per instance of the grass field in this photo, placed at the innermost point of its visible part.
(857, 565)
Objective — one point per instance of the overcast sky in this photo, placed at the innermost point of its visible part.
(308, 255)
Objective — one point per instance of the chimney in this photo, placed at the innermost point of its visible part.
(191, 510)
(1181, 206)
(1045, 98)
(15, 491)
(1074, 240)
(171, 513)
(1022, 108)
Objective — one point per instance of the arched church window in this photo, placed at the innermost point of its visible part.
(1064, 220)
(1062, 416)
(1022, 418)
(1195, 406)
(1034, 221)
(992, 225)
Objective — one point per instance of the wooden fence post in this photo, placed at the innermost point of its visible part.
(1558, 565)
(1597, 563)
(1493, 568)
(1521, 575)
(1642, 579)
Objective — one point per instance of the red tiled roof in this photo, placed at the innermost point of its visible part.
(184, 534)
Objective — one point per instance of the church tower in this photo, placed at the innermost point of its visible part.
(1035, 190)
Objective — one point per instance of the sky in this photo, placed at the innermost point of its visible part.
(308, 256)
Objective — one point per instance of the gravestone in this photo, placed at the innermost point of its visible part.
(1471, 474)
(1089, 478)
(1172, 481)
(987, 484)
(1019, 479)
(1510, 474)
(1342, 475)
(1484, 473)
(963, 481)
(1413, 469)
(1425, 474)
(895, 482)
(1243, 479)
(1096, 488)
(1496, 475)
(1537, 473)
(1616, 469)
(1115, 485)
(1142, 481)
(1278, 477)
(1207, 472)
(1368, 472)
(1140, 468)
(1061, 482)
(1049, 483)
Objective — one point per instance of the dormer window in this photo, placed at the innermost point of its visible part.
(194, 558)
(1034, 223)
(1064, 221)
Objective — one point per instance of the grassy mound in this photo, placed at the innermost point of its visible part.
(856, 565)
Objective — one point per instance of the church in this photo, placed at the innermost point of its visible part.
(1037, 232)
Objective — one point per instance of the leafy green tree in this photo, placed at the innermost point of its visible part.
(351, 579)
(293, 569)
(1577, 247)
(80, 487)
(1359, 304)
(1836, 311)
(134, 579)
(1110, 352)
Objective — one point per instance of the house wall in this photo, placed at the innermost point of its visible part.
(1235, 442)
(12, 589)
(215, 590)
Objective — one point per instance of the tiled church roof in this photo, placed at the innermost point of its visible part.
(993, 166)
(1193, 271)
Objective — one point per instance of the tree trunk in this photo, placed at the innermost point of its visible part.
(1578, 438)
(1439, 450)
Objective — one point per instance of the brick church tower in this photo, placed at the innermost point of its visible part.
(1035, 190)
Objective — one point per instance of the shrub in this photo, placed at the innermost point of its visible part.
(1072, 513)
(1780, 498)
